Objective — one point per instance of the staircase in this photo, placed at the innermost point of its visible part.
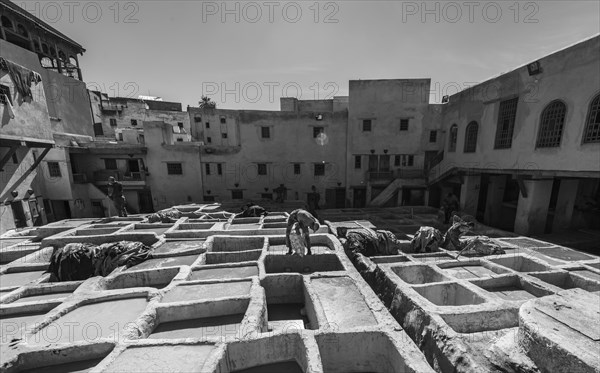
(386, 194)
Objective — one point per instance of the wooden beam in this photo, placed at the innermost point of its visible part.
(37, 161)
(7, 156)
(522, 186)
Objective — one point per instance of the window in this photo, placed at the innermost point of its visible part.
(432, 136)
(197, 118)
(357, 162)
(551, 125)
(134, 122)
(5, 95)
(6, 22)
(54, 169)
(317, 131)
(262, 169)
(110, 164)
(179, 139)
(296, 168)
(471, 137)
(237, 194)
(592, 126)
(113, 122)
(98, 131)
(452, 138)
(403, 124)
(207, 168)
(207, 125)
(408, 160)
(507, 114)
(319, 169)
(224, 135)
(265, 132)
(219, 169)
(366, 125)
(397, 160)
(174, 169)
(46, 62)
(209, 198)
(120, 136)
(223, 120)
(15, 160)
(180, 125)
(209, 139)
(266, 195)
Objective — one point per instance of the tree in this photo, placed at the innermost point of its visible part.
(206, 103)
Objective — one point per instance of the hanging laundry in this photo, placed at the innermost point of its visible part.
(9, 108)
(22, 77)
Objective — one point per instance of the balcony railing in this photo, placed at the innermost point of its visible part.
(380, 175)
(411, 173)
(102, 176)
(374, 176)
(80, 178)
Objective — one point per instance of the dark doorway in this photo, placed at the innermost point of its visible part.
(61, 209)
(145, 201)
(340, 198)
(18, 214)
(133, 165)
(36, 217)
(360, 197)
(483, 192)
(552, 206)
(97, 209)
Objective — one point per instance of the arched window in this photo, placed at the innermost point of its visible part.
(592, 124)
(551, 125)
(471, 137)
(36, 45)
(45, 48)
(62, 56)
(46, 62)
(72, 61)
(52, 52)
(22, 31)
(453, 138)
(6, 22)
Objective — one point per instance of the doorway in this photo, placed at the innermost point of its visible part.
(360, 197)
(145, 201)
(18, 214)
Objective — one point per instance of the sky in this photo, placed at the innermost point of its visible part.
(248, 54)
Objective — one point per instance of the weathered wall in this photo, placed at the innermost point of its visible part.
(570, 75)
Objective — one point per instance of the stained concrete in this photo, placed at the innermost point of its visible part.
(19, 278)
(213, 327)
(169, 358)
(185, 292)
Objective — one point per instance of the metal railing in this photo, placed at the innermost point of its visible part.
(80, 178)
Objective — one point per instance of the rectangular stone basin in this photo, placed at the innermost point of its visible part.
(239, 221)
(567, 281)
(588, 274)
(218, 326)
(224, 273)
(360, 352)
(19, 278)
(54, 297)
(431, 257)
(469, 270)
(512, 288)
(195, 226)
(167, 358)
(563, 253)
(342, 301)
(172, 261)
(520, 263)
(232, 257)
(158, 231)
(449, 295)
(92, 321)
(418, 274)
(286, 316)
(238, 227)
(15, 326)
(287, 367)
(177, 246)
(389, 259)
(305, 265)
(83, 366)
(157, 279)
(207, 291)
(274, 225)
(96, 231)
(229, 244)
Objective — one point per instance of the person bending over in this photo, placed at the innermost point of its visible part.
(305, 221)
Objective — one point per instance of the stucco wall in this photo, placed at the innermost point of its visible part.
(570, 75)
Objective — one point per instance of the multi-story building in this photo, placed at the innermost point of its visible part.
(522, 150)
(51, 99)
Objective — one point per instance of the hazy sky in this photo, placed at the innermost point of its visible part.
(248, 54)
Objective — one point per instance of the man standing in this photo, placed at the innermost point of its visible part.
(115, 192)
(313, 201)
(451, 206)
(305, 220)
(281, 192)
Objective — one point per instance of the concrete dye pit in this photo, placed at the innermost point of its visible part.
(211, 301)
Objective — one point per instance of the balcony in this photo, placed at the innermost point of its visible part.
(387, 176)
(128, 179)
(80, 178)
(108, 107)
(380, 175)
